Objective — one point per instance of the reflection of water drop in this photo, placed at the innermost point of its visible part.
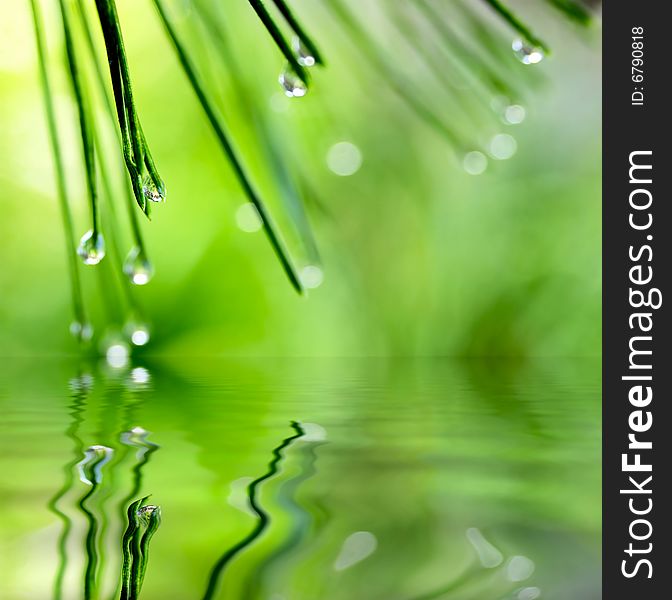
(91, 248)
(117, 355)
(137, 436)
(138, 333)
(526, 53)
(475, 162)
(303, 55)
(514, 114)
(344, 159)
(489, 556)
(247, 218)
(145, 512)
(356, 548)
(519, 568)
(98, 456)
(81, 331)
(82, 383)
(293, 85)
(529, 593)
(312, 276)
(137, 266)
(151, 191)
(140, 375)
(503, 146)
(312, 432)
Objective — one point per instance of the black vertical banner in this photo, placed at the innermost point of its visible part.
(637, 266)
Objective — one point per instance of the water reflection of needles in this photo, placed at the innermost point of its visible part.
(141, 520)
(300, 523)
(262, 517)
(71, 432)
(90, 467)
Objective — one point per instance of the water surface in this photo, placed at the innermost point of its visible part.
(300, 480)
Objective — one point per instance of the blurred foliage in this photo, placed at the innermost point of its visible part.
(419, 257)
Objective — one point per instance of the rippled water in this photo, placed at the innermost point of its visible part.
(300, 480)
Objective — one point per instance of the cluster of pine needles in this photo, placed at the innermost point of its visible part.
(87, 25)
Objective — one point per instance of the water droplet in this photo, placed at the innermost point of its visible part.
(247, 218)
(312, 276)
(529, 593)
(503, 146)
(293, 85)
(356, 548)
(137, 436)
(151, 191)
(147, 513)
(519, 568)
(303, 55)
(137, 332)
(117, 354)
(475, 162)
(526, 53)
(81, 331)
(95, 458)
(137, 266)
(489, 556)
(514, 114)
(344, 159)
(91, 248)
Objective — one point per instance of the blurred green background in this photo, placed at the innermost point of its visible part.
(419, 257)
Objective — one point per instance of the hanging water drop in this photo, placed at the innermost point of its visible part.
(138, 333)
(91, 248)
(527, 53)
(475, 162)
(312, 276)
(503, 146)
(117, 354)
(82, 332)
(293, 85)
(303, 55)
(151, 191)
(514, 114)
(137, 266)
(248, 218)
